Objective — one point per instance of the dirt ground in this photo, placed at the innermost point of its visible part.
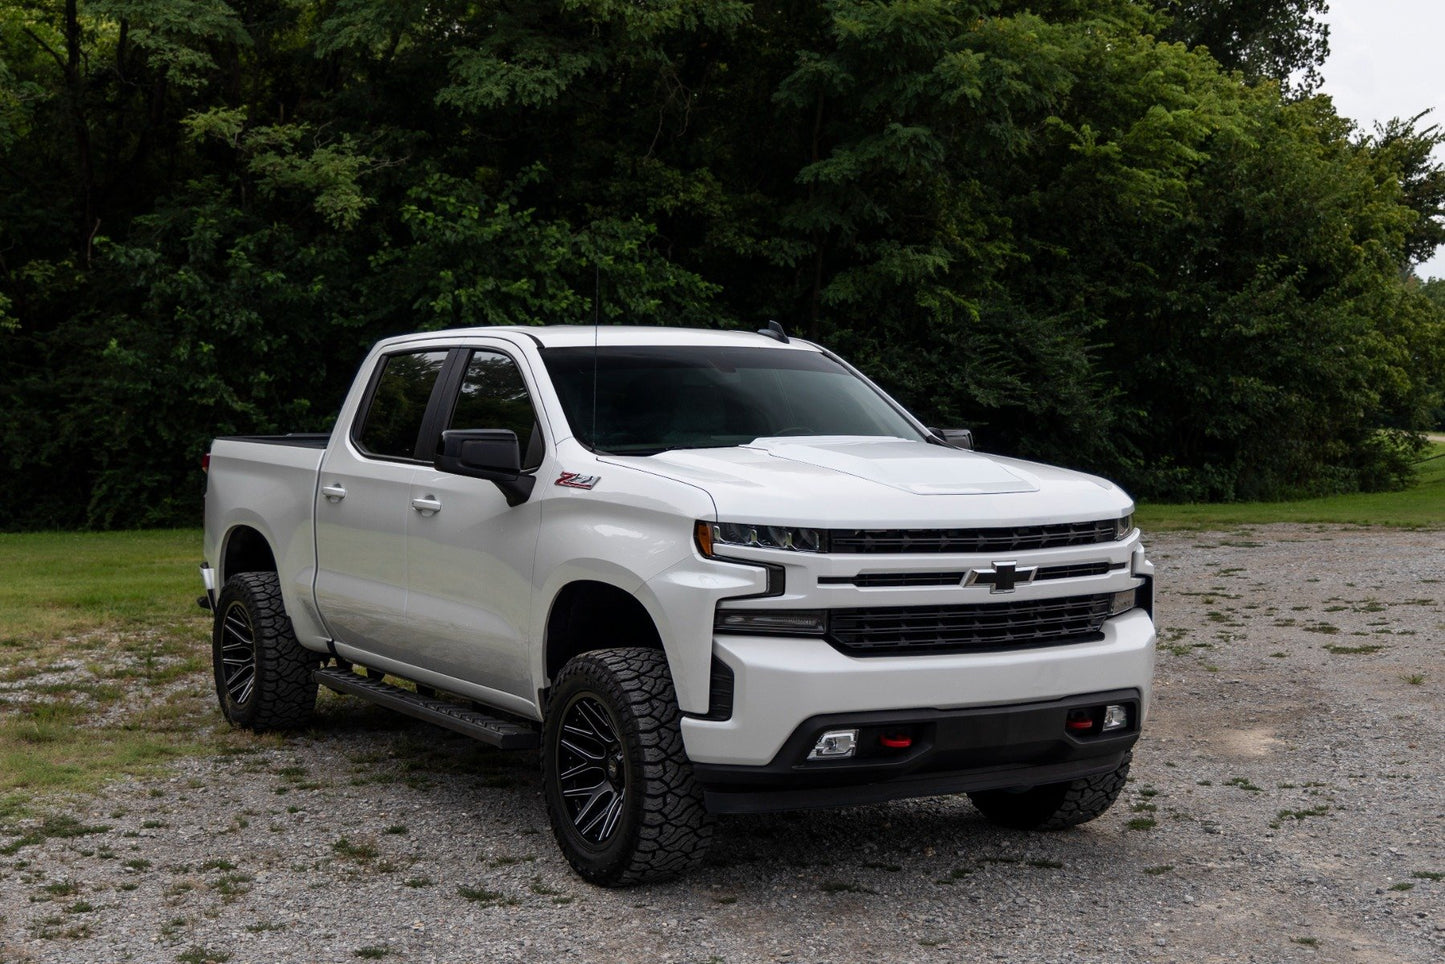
(1287, 804)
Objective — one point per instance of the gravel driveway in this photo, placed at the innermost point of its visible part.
(1287, 804)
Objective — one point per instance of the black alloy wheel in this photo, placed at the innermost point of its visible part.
(238, 653)
(620, 793)
(592, 769)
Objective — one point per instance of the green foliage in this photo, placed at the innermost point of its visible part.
(1279, 40)
(1095, 246)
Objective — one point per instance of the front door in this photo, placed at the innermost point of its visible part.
(470, 555)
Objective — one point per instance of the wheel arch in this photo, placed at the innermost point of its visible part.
(579, 607)
(246, 550)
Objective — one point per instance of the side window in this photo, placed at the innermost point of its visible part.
(493, 395)
(398, 405)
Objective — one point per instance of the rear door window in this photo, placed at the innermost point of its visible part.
(393, 419)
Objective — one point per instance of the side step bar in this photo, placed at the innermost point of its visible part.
(504, 734)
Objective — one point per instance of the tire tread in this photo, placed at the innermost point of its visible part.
(284, 695)
(674, 828)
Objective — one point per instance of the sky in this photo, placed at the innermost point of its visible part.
(1385, 62)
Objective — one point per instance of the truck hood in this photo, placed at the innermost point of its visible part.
(845, 481)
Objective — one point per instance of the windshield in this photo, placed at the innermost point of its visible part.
(651, 399)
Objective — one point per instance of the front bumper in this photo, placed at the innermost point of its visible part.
(781, 682)
(948, 751)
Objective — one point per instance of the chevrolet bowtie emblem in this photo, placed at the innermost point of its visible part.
(1003, 577)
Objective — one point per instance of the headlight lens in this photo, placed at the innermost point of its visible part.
(711, 535)
(1123, 526)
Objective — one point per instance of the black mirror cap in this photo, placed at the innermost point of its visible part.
(483, 453)
(486, 453)
(959, 438)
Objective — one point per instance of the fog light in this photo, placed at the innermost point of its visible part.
(835, 745)
(1116, 717)
(1124, 601)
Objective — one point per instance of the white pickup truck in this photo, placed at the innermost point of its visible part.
(704, 572)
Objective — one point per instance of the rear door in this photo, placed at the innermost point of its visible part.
(470, 555)
(362, 504)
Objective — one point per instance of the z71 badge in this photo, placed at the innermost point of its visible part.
(572, 480)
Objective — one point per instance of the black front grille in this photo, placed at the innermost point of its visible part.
(911, 630)
(1011, 539)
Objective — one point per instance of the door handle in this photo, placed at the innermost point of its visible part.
(427, 506)
(334, 492)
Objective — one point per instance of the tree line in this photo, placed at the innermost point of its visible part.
(1121, 235)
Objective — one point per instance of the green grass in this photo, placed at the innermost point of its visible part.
(1420, 506)
(62, 583)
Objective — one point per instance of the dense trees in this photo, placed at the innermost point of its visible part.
(1097, 246)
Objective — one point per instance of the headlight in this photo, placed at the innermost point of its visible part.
(712, 535)
(1123, 526)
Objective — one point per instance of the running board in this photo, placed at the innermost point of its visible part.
(504, 734)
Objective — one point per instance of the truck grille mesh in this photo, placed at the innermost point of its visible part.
(1011, 539)
(911, 630)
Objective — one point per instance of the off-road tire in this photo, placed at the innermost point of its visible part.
(263, 675)
(1054, 806)
(653, 822)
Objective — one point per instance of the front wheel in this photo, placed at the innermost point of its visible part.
(263, 675)
(620, 791)
(1054, 806)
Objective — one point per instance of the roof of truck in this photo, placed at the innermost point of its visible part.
(577, 336)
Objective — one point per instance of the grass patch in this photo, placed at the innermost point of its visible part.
(483, 896)
(1422, 505)
(844, 887)
(362, 852)
(204, 955)
(1298, 815)
(1364, 649)
(53, 825)
(65, 583)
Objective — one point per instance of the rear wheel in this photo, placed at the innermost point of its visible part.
(1054, 806)
(263, 675)
(620, 792)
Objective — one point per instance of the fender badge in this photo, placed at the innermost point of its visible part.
(572, 480)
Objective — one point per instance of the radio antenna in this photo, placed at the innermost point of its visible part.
(596, 329)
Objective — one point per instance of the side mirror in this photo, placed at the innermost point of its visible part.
(959, 438)
(486, 453)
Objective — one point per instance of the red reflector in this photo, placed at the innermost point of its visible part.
(896, 742)
(1080, 724)
(206, 462)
